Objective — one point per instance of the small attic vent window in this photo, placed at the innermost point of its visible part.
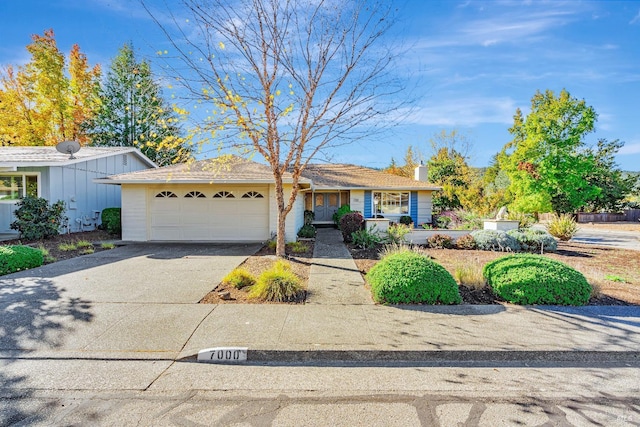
(252, 195)
(166, 194)
(223, 195)
(125, 160)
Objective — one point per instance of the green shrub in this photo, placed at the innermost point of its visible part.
(469, 220)
(342, 211)
(396, 233)
(440, 241)
(466, 242)
(564, 227)
(111, 220)
(525, 220)
(309, 216)
(307, 231)
(495, 240)
(36, 219)
(17, 258)
(239, 278)
(278, 284)
(406, 220)
(532, 240)
(408, 277)
(366, 239)
(67, 247)
(442, 221)
(536, 279)
(350, 223)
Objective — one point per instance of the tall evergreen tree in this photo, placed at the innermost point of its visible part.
(134, 114)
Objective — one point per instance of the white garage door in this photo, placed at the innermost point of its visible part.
(206, 214)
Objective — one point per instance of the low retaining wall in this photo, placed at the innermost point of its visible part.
(419, 237)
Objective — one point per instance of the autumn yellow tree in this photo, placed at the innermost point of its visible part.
(288, 80)
(45, 102)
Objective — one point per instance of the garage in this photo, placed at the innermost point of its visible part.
(209, 213)
(226, 199)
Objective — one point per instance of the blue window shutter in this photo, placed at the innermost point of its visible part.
(413, 207)
(367, 204)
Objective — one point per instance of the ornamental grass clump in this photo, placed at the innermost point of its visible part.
(535, 279)
(239, 278)
(410, 278)
(18, 258)
(277, 284)
(564, 227)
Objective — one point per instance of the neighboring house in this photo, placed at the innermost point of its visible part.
(370, 191)
(44, 172)
(234, 200)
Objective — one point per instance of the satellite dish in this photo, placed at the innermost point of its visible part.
(68, 147)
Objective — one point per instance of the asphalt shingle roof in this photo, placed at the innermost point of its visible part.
(49, 156)
(332, 176)
(228, 169)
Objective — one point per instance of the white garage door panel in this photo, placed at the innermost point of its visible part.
(210, 219)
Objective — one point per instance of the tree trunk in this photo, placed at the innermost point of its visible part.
(280, 241)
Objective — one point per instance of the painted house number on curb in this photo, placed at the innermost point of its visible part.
(223, 354)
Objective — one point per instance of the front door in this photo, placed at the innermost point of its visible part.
(325, 205)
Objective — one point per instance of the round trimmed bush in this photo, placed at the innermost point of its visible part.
(440, 241)
(466, 242)
(535, 279)
(407, 277)
(17, 258)
(495, 240)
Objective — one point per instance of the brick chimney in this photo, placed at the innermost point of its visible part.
(421, 173)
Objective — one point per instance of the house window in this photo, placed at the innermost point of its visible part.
(163, 194)
(223, 195)
(17, 186)
(195, 195)
(391, 203)
(252, 195)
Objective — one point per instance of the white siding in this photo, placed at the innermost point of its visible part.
(134, 213)
(424, 207)
(356, 201)
(295, 218)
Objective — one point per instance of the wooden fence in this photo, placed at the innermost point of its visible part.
(583, 217)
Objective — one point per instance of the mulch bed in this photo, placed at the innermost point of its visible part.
(52, 245)
(594, 262)
(256, 264)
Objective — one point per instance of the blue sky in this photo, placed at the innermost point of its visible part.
(471, 63)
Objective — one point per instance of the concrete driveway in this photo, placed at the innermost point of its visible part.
(132, 299)
(160, 273)
(609, 238)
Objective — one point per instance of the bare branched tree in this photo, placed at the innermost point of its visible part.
(288, 79)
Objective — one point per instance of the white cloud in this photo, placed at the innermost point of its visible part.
(635, 19)
(465, 112)
(633, 148)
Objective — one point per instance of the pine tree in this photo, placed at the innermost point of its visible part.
(133, 113)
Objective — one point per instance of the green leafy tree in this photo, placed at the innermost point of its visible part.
(133, 113)
(548, 162)
(614, 185)
(448, 168)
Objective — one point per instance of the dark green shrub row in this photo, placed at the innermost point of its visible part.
(111, 221)
(408, 277)
(36, 219)
(17, 258)
(536, 279)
